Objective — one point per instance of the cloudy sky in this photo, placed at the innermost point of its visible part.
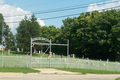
(44, 9)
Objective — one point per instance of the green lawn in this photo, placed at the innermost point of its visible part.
(17, 69)
(84, 71)
(13, 53)
(42, 61)
(118, 78)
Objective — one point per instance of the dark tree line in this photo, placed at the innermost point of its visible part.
(94, 35)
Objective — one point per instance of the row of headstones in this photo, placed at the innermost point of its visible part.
(51, 54)
(18, 50)
(41, 52)
(62, 56)
(35, 51)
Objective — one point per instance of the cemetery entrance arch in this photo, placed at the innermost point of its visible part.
(49, 43)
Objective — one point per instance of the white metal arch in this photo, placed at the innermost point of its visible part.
(45, 39)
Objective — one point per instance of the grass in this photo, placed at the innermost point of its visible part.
(40, 60)
(17, 69)
(13, 53)
(117, 78)
(84, 71)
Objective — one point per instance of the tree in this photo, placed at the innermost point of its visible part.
(27, 28)
(5, 31)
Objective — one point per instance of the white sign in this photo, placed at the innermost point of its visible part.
(40, 38)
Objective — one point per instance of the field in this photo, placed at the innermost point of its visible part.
(40, 60)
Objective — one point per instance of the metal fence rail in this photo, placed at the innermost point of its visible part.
(38, 62)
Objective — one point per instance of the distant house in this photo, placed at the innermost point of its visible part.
(2, 47)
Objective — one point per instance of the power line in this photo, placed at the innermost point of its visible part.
(61, 9)
(67, 15)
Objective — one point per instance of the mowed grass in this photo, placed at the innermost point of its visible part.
(42, 61)
(18, 70)
(14, 53)
(117, 78)
(85, 71)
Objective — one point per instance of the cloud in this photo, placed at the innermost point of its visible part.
(101, 6)
(8, 10)
(2, 1)
(40, 22)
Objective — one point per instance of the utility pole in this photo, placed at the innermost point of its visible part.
(2, 38)
(2, 43)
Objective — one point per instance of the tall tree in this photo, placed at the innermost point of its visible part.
(4, 32)
(27, 28)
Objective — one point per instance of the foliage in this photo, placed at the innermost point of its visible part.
(27, 28)
(8, 37)
(95, 35)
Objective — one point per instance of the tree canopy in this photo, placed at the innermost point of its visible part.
(92, 34)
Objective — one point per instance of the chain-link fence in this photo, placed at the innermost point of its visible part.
(75, 63)
(14, 61)
(39, 62)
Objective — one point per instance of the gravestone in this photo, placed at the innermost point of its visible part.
(39, 52)
(22, 50)
(62, 56)
(53, 54)
(73, 55)
(34, 50)
(83, 57)
(68, 56)
(18, 50)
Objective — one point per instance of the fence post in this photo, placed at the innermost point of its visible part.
(79, 64)
(50, 62)
(39, 62)
(88, 63)
(107, 64)
(2, 60)
(67, 62)
(27, 60)
(67, 53)
(98, 65)
(17, 60)
(58, 63)
(116, 66)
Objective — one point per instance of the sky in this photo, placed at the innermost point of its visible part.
(44, 9)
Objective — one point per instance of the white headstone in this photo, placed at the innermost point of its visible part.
(39, 51)
(107, 60)
(18, 50)
(73, 55)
